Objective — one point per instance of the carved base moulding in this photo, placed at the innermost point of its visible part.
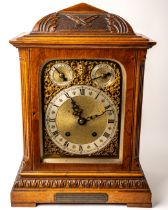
(129, 188)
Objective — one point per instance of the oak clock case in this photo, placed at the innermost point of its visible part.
(82, 73)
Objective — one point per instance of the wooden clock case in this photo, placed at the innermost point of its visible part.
(81, 31)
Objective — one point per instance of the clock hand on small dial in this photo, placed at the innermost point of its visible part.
(61, 74)
(103, 76)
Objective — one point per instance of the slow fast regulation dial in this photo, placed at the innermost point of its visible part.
(61, 74)
(103, 74)
(81, 120)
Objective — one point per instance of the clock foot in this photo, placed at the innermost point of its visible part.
(143, 205)
(23, 204)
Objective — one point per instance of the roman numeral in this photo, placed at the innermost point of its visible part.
(55, 105)
(67, 95)
(82, 91)
(110, 110)
(106, 107)
(106, 135)
(66, 144)
(55, 133)
(95, 145)
(110, 121)
(52, 120)
(97, 95)
(80, 148)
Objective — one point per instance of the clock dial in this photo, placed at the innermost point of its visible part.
(78, 115)
(81, 120)
(61, 74)
(103, 74)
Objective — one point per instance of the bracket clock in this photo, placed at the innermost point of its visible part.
(82, 73)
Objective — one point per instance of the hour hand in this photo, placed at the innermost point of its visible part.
(77, 111)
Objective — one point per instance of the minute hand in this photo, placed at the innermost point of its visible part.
(94, 116)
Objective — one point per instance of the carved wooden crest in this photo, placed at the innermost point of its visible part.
(73, 20)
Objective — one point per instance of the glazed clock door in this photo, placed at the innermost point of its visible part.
(82, 112)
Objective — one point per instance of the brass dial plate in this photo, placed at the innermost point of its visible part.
(66, 131)
(82, 75)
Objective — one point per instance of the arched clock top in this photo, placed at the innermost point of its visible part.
(79, 25)
(89, 20)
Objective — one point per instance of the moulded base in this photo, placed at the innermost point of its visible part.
(119, 189)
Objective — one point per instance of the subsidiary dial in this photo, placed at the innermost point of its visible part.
(103, 75)
(61, 74)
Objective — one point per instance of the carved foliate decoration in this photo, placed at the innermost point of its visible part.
(117, 24)
(96, 183)
(59, 23)
(75, 22)
(47, 24)
(82, 21)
